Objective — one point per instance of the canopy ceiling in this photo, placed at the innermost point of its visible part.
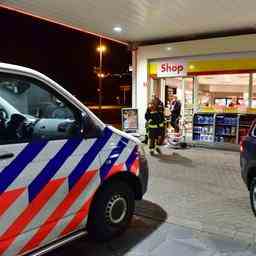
(146, 20)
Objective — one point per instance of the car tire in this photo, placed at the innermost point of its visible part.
(253, 195)
(111, 211)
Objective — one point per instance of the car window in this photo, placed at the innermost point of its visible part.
(30, 110)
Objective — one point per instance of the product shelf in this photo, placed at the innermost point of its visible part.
(198, 124)
(221, 128)
(203, 127)
(227, 125)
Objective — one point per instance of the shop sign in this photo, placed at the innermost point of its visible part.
(172, 69)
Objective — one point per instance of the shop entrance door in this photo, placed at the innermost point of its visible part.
(156, 88)
(183, 89)
(188, 103)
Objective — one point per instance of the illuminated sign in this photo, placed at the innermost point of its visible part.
(172, 69)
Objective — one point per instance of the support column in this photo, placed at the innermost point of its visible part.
(162, 90)
(141, 90)
(195, 95)
(183, 87)
(134, 78)
(150, 89)
(250, 90)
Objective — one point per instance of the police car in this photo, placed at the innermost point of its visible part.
(63, 172)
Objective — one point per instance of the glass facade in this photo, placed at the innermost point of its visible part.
(223, 96)
(224, 91)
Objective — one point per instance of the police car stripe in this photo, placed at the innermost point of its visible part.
(8, 198)
(13, 212)
(29, 213)
(59, 212)
(70, 209)
(92, 185)
(17, 244)
(115, 153)
(87, 191)
(125, 154)
(78, 217)
(132, 158)
(12, 171)
(40, 218)
(135, 166)
(62, 223)
(88, 158)
(52, 167)
(31, 171)
(105, 151)
(72, 161)
(49, 207)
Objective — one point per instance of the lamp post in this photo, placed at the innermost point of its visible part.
(101, 48)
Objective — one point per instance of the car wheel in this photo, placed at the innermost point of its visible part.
(111, 211)
(253, 195)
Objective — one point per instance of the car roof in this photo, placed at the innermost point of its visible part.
(21, 69)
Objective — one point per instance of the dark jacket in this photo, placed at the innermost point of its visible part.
(154, 119)
(176, 108)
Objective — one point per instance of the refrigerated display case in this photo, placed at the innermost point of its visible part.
(221, 128)
(226, 128)
(203, 127)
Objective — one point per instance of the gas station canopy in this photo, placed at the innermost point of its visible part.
(145, 20)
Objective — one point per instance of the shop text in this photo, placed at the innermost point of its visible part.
(167, 67)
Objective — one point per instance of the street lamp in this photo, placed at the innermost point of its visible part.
(101, 48)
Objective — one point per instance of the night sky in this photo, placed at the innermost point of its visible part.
(65, 55)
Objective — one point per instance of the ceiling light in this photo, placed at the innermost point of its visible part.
(117, 29)
(169, 48)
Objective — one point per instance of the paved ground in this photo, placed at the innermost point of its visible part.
(196, 205)
(202, 189)
(147, 237)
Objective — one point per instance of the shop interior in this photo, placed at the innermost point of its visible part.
(216, 108)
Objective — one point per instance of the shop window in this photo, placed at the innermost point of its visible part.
(224, 91)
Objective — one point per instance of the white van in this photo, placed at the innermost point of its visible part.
(63, 172)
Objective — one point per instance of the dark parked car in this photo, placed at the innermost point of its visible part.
(248, 164)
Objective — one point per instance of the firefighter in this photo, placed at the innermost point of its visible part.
(175, 113)
(155, 123)
(145, 141)
(160, 108)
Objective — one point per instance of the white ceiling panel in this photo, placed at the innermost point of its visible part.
(143, 20)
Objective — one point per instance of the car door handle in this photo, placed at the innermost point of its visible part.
(6, 155)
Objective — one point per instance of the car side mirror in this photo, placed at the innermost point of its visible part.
(89, 128)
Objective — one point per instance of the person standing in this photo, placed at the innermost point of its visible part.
(175, 113)
(158, 103)
(160, 109)
(145, 141)
(155, 124)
